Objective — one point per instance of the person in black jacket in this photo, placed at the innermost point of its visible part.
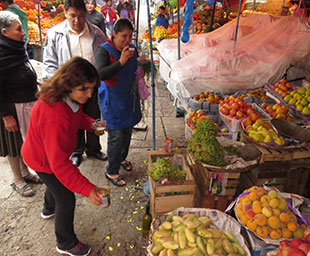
(18, 86)
(93, 16)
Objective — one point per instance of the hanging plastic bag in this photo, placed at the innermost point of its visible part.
(142, 89)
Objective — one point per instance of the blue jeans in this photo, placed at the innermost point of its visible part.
(61, 200)
(118, 146)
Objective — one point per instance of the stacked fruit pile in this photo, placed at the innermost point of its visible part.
(195, 118)
(277, 111)
(33, 31)
(259, 94)
(296, 247)
(190, 235)
(300, 99)
(268, 215)
(208, 97)
(283, 88)
(237, 108)
(262, 131)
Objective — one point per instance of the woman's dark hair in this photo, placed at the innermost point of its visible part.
(122, 24)
(77, 4)
(91, 2)
(75, 72)
(162, 8)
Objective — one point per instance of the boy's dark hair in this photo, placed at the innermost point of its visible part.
(9, 1)
(77, 4)
(162, 8)
(122, 24)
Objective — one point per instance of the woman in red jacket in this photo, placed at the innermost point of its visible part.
(51, 139)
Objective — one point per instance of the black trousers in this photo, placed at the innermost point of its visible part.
(60, 199)
(118, 146)
(92, 143)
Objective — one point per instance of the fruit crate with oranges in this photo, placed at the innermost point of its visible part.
(167, 197)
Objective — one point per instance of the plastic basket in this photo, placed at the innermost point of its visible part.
(233, 124)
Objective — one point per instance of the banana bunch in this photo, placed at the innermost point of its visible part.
(191, 235)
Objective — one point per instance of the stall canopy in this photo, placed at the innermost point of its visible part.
(266, 46)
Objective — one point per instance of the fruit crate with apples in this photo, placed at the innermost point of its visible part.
(167, 197)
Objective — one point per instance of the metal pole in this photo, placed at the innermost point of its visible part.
(282, 7)
(213, 13)
(39, 24)
(137, 30)
(152, 70)
(193, 26)
(179, 31)
(237, 25)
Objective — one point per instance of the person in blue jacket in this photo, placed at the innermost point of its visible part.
(116, 62)
(162, 18)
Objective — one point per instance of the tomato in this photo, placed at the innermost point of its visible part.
(249, 111)
(224, 111)
(239, 114)
(232, 112)
(235, 106)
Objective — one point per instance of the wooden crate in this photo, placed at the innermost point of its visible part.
(216, 202)
(203, 177)
(288, 177)
(278, 155)
(160, 201)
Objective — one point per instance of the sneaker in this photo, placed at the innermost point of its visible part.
(45, 214)
(78, 250)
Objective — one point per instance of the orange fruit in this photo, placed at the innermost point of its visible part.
(275, 234)
(292, 226)
(274, 222)
(262, 231)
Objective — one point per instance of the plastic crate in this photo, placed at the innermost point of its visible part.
(233, 124)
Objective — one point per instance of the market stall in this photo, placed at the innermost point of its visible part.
(266, 47)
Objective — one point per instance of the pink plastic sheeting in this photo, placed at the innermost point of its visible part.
(265, 48)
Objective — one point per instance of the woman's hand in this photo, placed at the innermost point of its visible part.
(126, 55)
(94, 196)
(10, 123)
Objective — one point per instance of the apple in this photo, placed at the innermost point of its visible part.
(296, 242)
(305, 247)
(296, 252)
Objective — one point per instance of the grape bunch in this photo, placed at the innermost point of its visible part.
(163, 168)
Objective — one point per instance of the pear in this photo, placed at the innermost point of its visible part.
(278, 141)
(302, 90)
(304, 101)
(299, 107)
(305, 111)
(287, 98)
(292, 101)
(258, 137)
(267, 138)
